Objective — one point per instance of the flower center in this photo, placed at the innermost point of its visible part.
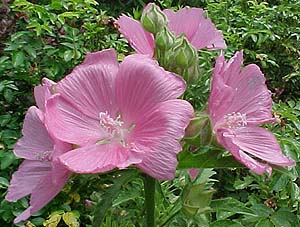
(115, 129)
(110, 125)
(235, 120)
(44, 156)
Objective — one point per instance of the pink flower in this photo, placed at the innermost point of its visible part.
(198, 29)
(41, 174)
(120, 115)
(238, 103)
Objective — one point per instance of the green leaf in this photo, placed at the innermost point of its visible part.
(226, 223)
(7, 160)
(18, 58)
(3, 182)
(30, 50)
(264, 223)
(284, 217)
(208, 159)
(232, 205)
(110, 195)
(68, 55)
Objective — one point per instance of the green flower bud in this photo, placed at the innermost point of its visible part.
(199, 131)
(164, 39)
(196, 199)
(192, 73)
(184, 53)
(153, 19)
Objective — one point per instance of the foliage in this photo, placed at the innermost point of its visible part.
(48, 38)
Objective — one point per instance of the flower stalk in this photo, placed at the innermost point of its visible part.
(149, 188)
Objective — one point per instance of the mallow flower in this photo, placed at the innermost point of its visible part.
(192, 22)
(119, 114)
(40, 175)
(239, 102)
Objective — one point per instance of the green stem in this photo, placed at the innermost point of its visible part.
(149, 188)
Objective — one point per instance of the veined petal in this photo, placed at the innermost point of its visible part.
(251, 95)
(42, 194)
(256, 142)
(68, 124)
(138, 38)
(231, 68)
(99, 158)
(43, 92)
(221, 96)
(26, 179)
(207, 36)
(36, 140)
(158, 132)
(185, 20)
(141, 84)
(89, 88)
(200, 31)
(160, 160)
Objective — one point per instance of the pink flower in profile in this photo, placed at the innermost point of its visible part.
(199, 30)
(120, 114)
(41, 174)
(238, 103)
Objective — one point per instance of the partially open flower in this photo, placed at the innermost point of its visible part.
(199, 30)
(238, 103)
(41, 175)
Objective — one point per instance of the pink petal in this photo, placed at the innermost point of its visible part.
(254, 141)
(207, 36)
(141, 84)
(160, 161)
(100, 158)
(221, 95)
(231, 68)
(36, 140)
(42, 194)
(239, 90)
(193, 172)
(201, 32)
(139, 39)
(23, 216)
(46, 190)
(185, 20)
(70, 125)
(89, 88)
(159, 131)
(251, 95)
(26, 179)
(43, 92)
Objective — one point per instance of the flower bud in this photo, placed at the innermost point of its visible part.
(153, 19)
(164, 39)
(199, 131)
(196, 199)
(192, 73)
(184, 53)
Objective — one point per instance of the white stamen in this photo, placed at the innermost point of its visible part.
(115, 129)
(44, 156)
(235, 120)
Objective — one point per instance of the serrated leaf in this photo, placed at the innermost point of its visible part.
(71, 219)
(231, 205)
(53, 220)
